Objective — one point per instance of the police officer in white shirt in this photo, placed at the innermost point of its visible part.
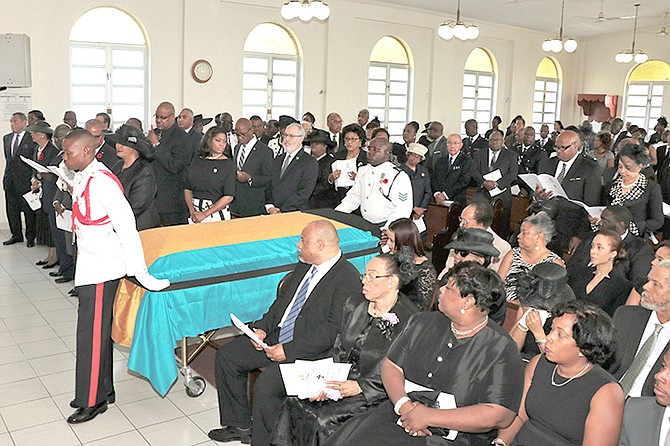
(382, 191)
(108, 248)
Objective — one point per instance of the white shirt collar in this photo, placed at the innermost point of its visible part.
(568, 165)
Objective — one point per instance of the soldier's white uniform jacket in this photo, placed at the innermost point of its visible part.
(384, 194)
(108, 244)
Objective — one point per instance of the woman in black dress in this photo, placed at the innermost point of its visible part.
(136, 175)
(568, 398)
(369, 326)
(354, 141)
(210, 180)
(456, 351)
(599, 282)
(403, 233)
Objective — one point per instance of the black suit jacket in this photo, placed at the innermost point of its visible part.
(661, 155)
(171, 158)
(250, 197)
(452, 179)
(531, 159)
(139, 188)
(622, 135)
(630, 322)
(51, 157)
(194, 137)
(107, 156)
(324, 195)
(548, 145)
(319, 321)
(17, 173)
(582, 180)
(291, 191)
(469, 146)
(507, 162)
(647, 210)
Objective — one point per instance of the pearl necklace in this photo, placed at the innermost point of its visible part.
(457, 332)
(580, 373)
(215, 157)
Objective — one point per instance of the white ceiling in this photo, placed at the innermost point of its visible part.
(544, 15)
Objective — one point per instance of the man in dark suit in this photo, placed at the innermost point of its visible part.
(301, 324)
(253, 161)
(104, 152)
(662, 151)
(531, 156)
(497, 157)
(294, 175)
(638, 324)
(518, 124)
(618, 134)
(324, 195)
(452, 172)
(659, 128)
(172, 153)
(580, 178)
(16, 180)
(545, 141)
(474, 141)
(438, 145)
(334, 123)
(408, 137)
(639, 254)
(643, 417)
(186, 121)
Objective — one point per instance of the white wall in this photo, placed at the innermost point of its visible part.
(334, 54)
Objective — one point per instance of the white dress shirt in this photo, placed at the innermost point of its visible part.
(665, 427)
(663, 339)
(568, 165)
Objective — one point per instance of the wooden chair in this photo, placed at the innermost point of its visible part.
(498, 223)
(254, 374)
(442, 239)
(511, 309)
(436, 221)
(519, 212)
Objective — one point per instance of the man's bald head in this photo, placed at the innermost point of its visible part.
(568, 144)
(243, 131)
(59, 133)
(165, 117)
(78, 149)
(318, 243)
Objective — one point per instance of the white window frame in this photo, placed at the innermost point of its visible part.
(385, 117)
(649, 120)
(548, 117)
(476, 111)
(109, 81)
(270, 89)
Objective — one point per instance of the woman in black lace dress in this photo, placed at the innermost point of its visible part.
(369, 326)
(401, 234)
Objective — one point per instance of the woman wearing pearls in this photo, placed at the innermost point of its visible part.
(568, 398)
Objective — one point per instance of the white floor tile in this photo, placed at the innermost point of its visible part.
(206, 420)
(56, 433)
(16, 371)
(21, 391)
(59, 383)
(135, 389)
(68, 328)
(53, 364)
(33, 334)
(31, 413)
(108, 424)
(46, 306)
(11, 353)
(132, 438)
(45, 347)
(150, 411)
(30, 321)
(188, 405)
(6, 440)
(180, 432)
(14, 299)
(70, 341)
(60, 316)
(16, 310)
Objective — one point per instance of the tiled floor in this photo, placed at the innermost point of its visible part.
(37, 344)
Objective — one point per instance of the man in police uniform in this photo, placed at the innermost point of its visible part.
(108, 248)
(381, 190)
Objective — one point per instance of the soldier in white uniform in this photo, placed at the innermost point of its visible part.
(382, 191)
(108, 248)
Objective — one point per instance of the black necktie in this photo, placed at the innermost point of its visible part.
(15, 147)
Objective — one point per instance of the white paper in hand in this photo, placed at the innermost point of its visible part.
(64, 221)
(247, 331)
(33, 200)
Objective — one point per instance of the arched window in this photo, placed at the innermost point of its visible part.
(644, 94)
(547, 93)
(478, 85)
(270, 73)
(108, 56)
(388, 84)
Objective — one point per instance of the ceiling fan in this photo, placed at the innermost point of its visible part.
(602, 18)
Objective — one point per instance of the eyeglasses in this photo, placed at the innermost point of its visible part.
(291, 136)
(369, 278)
(163, 118)
(565, 147)
(242, 133)
(351, 139)
(463, 253)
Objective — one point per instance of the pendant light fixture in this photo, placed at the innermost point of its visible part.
(556, 44)
(305, 10)
(627, 56)
(449, 30)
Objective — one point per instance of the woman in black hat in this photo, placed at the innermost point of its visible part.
(210, 180)
(135, 174)
(46, 151)
(539, 291)
(324, 195)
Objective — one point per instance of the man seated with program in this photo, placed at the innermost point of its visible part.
(302, 323)
(381, 190)
(646, 420)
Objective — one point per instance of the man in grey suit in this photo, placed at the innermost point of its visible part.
(643, 417)
(253, 163)
(186, 122)
(438, 147)
(643, 334)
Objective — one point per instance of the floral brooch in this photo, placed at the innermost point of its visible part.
(386, 324)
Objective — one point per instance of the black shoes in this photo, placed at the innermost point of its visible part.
(41, 262)
(111, 399)
(29, 243)
(64, 279)
(11, 241)
(49, 265)
(55, 274)
(73, 292)
(84, 414)
(231, 433)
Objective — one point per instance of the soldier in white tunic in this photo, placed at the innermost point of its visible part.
(382, 191)
(108, 248)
